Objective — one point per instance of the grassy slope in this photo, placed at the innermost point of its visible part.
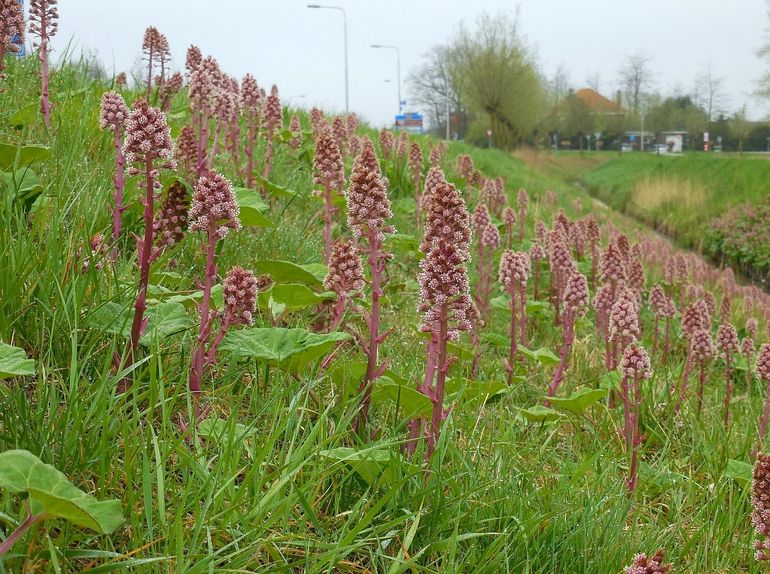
(504, 496)
(680, 194)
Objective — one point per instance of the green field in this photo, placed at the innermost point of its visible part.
(276, 480)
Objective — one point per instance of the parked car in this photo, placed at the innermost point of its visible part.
(626, 147)
(658, 149)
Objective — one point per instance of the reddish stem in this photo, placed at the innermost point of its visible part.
(144, 258)
(569, 335)
(45, 106)
(198, 360)
(728, 389)
(441, 373)
(31, 520)
(120, 184)
(513, 335)
(635, 438)
(328, 225)
(376, 262)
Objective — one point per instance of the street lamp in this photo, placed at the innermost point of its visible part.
(345, 31)
(398, 68)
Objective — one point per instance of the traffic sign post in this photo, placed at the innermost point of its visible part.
(411, 122)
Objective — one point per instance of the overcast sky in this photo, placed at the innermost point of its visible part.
(301, 50)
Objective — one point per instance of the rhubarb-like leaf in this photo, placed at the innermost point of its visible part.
(14, 362)
(579, 401)
(52, 494)
(287, 272)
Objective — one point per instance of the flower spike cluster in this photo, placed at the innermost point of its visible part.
(239, 291)
(214, 206)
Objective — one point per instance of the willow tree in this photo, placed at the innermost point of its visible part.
(497, 77)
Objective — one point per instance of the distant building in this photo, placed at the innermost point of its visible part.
(674, 140)
(598, 104)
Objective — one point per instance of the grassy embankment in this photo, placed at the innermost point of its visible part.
(263, 492)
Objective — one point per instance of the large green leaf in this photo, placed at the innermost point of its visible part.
(24, 115)
(7, 155)
(289, 297)
(288, 272)
(540, 414)
(579, 401)
(543, 356)
(252, 208)
(32, 153)
(739, 471)
(54, 495)
(274, 189)
(288, 349)
(373, 465)
(14, 362)
(476, 393)
(411, 401)
(163, 319)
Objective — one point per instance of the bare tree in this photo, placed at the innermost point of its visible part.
(710, 94)
(559, 86)
(763, 53)
(430, 85)
(593, 81)
(635, 77)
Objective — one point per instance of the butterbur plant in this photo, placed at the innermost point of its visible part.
(536, 255)
(416, 165)
(329, 174)
(444, 294)
(623, 325)
(760, 500)
(296, 132)
(513, 275)
(171, 220)
(509, 220)
(728, 347)
(762, 369)
(634, 367)
(345, 277)
(11, 24)
(155, 50)
(523, 199)
(148, 149)
(487, 240)
(214, 211)
(113, 116)
(43, 18)
(272, 121)
(576, 300)
(368, 211)
(251, 106)
(644, 564)
(701, 351)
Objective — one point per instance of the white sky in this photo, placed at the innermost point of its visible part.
(301, 50)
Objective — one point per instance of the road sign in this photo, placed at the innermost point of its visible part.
(410, 121)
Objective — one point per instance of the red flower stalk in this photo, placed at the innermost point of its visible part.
(355, 146)
(113, 117)
(43, 23)
(251, 104)
(612, 270)
(576, 300)
(147, 148)
(748, 350)
(635, 275)
(169, 88)
(465, 168)
(387, 143)
(725, 307)
(201, 94)
(120, 81)
(156, 52)
(562, 267)
(487, 240)
(727, 345)
(402, 145)
(623, 324)
(273, 119)
(225, 107)
(603, 302)
(445, 305)
(762, 369)
(214, 211)
(659, 304)
(193, 59)
(444, 291)
(352, 126)
(513, 276)
(577, 239)
(509, 219)
(234, 128)
(652, 565)
(171, 220)
(415, 165)
(345, 277)
(317, 122)
(523, 199)
(340, 133)
(634, 366)
(11, 25)
(434, 157)
(536, 255)
(187, 151)
(760, 500)
(541, 233)
(368, 209)
(701, 351)
(497, 197)
(296, 132)
(751, 327)
(329, 173)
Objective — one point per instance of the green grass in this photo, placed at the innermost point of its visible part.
(502, 495)
(680, 195)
